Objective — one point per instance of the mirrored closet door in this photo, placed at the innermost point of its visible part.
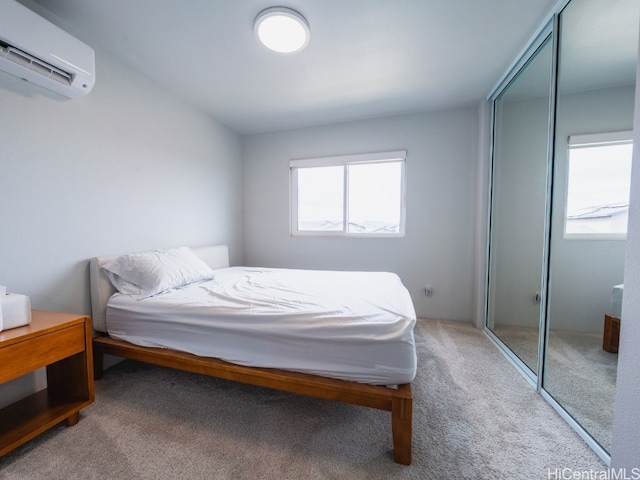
(519, 191)
(561, 158)
(591, 178)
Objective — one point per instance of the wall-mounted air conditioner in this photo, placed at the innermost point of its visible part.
(38, 51)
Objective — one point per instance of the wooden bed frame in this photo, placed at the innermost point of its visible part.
(398, 401)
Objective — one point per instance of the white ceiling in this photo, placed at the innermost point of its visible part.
(366, 58)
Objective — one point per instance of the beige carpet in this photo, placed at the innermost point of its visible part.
(580, 375)
(475, 417)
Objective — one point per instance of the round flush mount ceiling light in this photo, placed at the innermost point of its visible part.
(282, 30)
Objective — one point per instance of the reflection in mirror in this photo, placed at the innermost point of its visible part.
(519, 190)
(594, 114)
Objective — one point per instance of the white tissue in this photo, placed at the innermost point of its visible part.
(15, 311)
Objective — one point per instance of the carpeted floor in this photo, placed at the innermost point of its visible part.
(475, 417)
(579, 374)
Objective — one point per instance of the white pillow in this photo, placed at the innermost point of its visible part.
(150, 273)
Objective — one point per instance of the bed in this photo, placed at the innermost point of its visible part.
(343, 336)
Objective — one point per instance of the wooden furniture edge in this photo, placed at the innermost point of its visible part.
(611, 334)
(399, 401)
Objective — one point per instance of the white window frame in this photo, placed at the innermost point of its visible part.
(587, 141)
(397, 156)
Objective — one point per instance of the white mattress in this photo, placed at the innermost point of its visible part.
(348, 325)
(616, 300)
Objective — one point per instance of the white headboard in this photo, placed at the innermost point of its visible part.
(216, 256)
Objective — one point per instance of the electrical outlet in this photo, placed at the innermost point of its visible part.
(428, 290)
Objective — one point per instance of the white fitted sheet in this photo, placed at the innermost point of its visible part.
(616, 300)
(348, 325)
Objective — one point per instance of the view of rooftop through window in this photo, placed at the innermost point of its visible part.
(320, 198)
(374, 197)
(598, 189)
(351, 198)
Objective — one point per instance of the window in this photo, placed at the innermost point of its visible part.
(598, 183)
(352, 195)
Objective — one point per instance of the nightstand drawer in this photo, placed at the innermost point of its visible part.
(24, 357)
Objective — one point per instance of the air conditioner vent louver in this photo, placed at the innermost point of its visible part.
(34, 49)
(32, 63)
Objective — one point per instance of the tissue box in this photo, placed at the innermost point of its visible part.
(15, 311)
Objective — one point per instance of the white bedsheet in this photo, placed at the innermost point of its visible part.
(616, 300)
(348, 325)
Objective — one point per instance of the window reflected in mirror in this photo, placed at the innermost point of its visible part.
(598, 184)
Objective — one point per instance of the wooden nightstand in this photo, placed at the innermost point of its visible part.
(62, 343)
(611, 336)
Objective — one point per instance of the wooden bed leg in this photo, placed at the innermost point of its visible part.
(98, 362)
(401, 424)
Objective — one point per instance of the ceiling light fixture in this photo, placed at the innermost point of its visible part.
(282, 30)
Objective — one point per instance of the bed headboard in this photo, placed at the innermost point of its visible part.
(216, 256)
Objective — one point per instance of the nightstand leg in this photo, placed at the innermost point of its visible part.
(73, 419)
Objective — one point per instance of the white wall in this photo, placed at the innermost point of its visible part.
(626, 421)
(128, 167)
(441, 182)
